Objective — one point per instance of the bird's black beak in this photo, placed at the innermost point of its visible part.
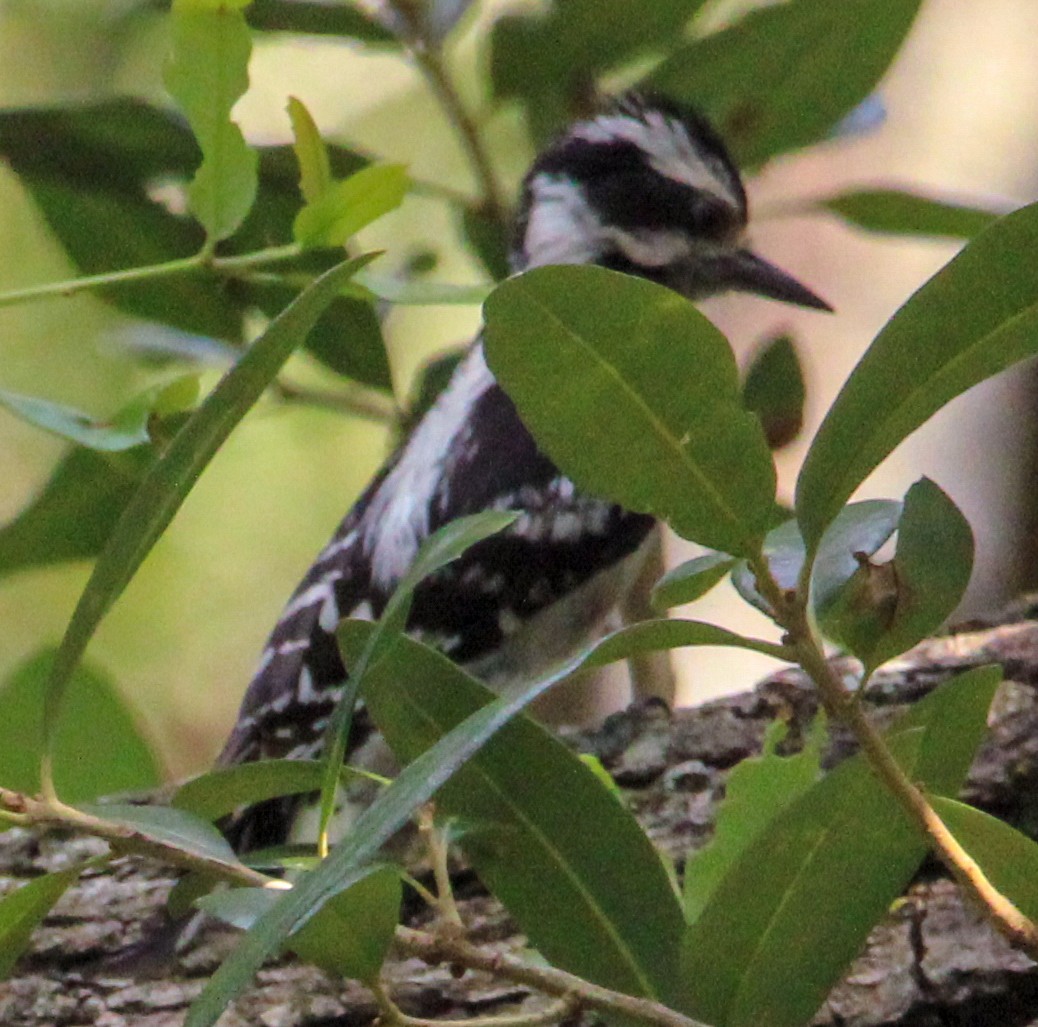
(746, 272)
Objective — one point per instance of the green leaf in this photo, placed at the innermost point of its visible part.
(897, 212)
(97, 719)
(347, 936)
(316, 17)
(556, 838)
(590, 354)
(441, 548)
(928, 577)
(128, 428)
(757, 791)
(168, 482)
(800, 901)
(415, 785)
(175, 828)
(1008, 858)
(22, 909)
(691, 580)
(218, 792)
(207, 73)
(860, 528)
(783, 76)
(346, 207)
(649, 636)
(315, 170)
(974, 318)
(774, 391)
(75, 512)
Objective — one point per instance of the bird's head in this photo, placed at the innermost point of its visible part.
(647, 188)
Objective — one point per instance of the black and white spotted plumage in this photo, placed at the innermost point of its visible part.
(644, 188)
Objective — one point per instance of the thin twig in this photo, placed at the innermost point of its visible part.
(443, 949)
(429, 58)
(840, 703)
(437, 848)
(558, 1011)
(364, 405)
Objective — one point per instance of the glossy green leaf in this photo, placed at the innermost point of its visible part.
(315, 170)
(407, 292)
(929, 574)
(896, 212)
(346, 207)
(774, 391)
(974, 318)
(1008, 857)
(207, 74)
(348, 936)
(860, 528)
(221, 791)
(798, 904)
(169, 480)
(756, 792)
(649, 636)
(76, 510)
(635, 395)
(556, 839)
(415, 785)
(445, 545)
(22, 910)
(691, 580)
(784, 75)
(96, 719)
(175, 828)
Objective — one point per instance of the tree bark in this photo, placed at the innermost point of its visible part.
(933, 961)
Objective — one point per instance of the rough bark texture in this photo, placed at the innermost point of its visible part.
(934, 961)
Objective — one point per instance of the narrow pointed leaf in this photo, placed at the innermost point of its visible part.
(556, 838)
(206, 75)
(756, 792)
(167, 483)
(346, 207)
(798, 904)
(315, 170)
(636, 396)
(691, 580)
(415, 785)
(442, 547)
(974, 318)
(897, 212)
(348, 936)
(22, 910)
(1008, 857)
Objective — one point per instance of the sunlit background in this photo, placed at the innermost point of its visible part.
(182, 641)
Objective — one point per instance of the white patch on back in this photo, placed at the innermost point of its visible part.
(669, 148)
(397, 519)
(316, 593)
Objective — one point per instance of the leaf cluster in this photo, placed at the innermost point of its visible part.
(802, 864)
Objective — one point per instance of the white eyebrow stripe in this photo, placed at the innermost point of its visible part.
(669, 148)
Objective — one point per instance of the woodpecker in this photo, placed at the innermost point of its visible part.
(644, 187)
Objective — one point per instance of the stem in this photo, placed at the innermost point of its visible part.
(437, 848)
(52, 812)
(367, 406)
(555, 1013)
(73, 286)
(429, 58)
(444, 949)
(842, 704)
